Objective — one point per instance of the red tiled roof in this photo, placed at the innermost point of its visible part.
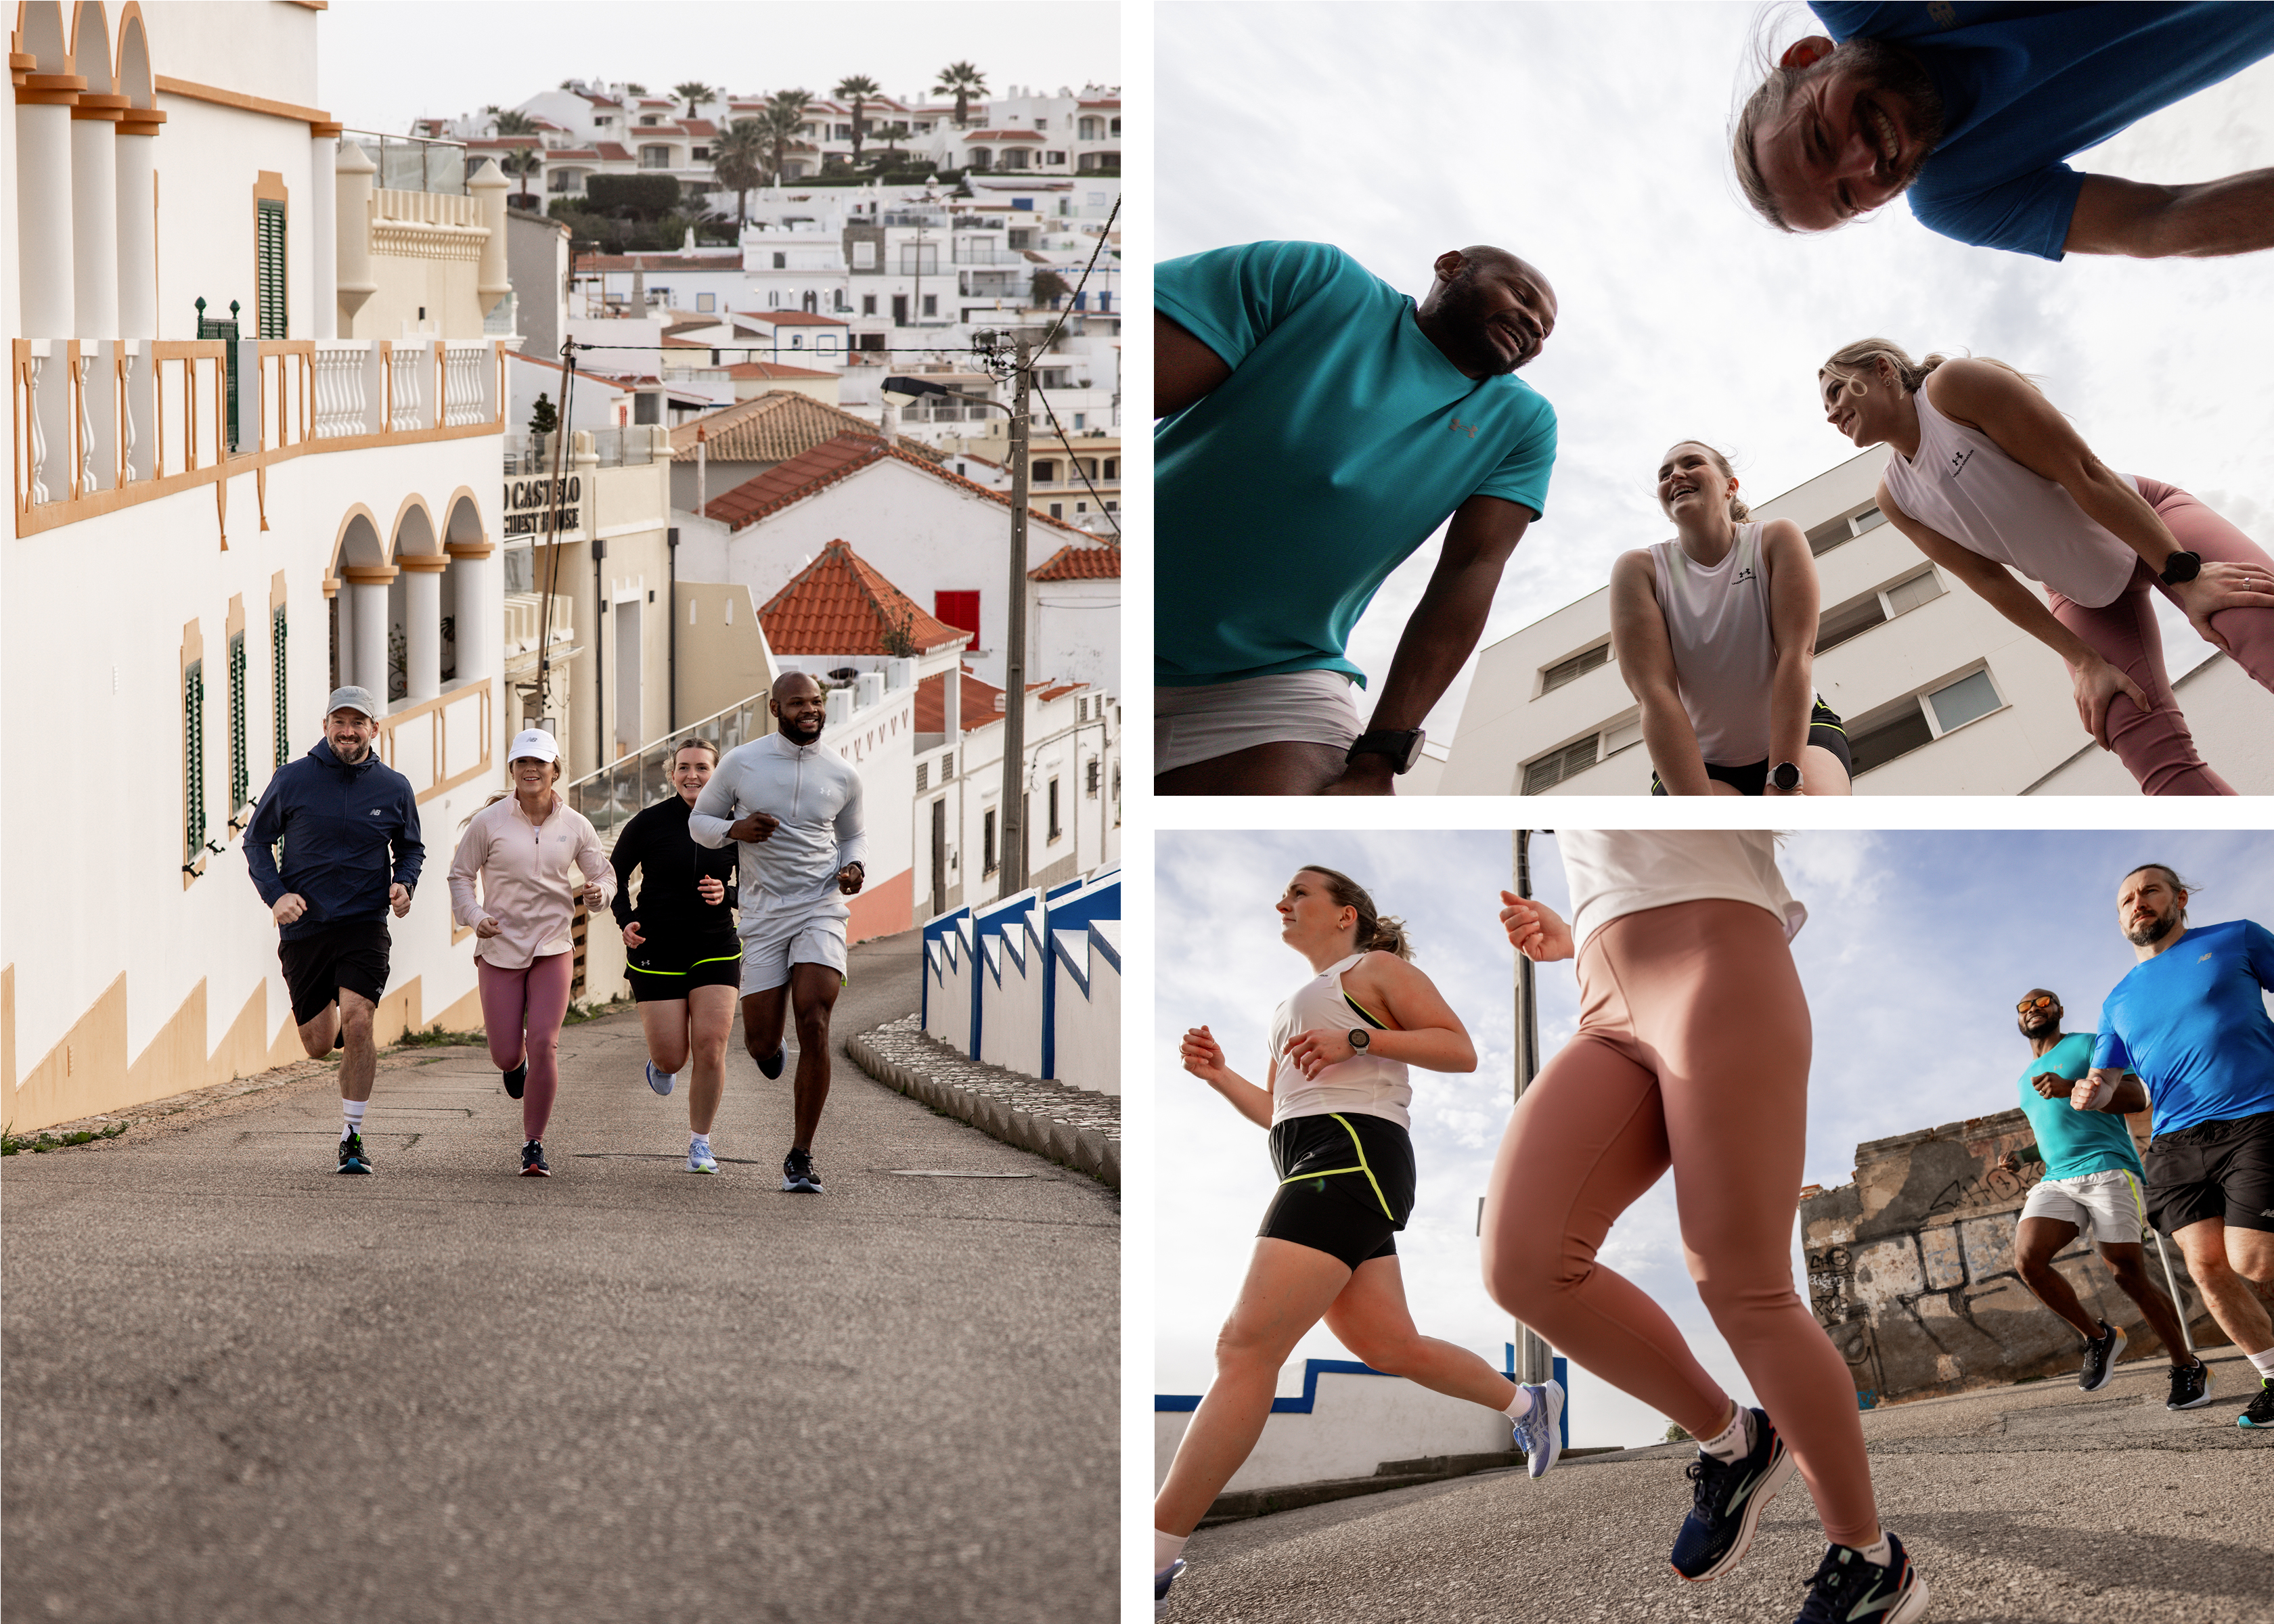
(791, 319)
(698, 126)
(774, 427)
(814, 471)
(1003, 135)
(1107, 102)
(773, 369)
(839, 605)
(614, 152)
(1080, 564)
(558, 154)
(600, 101)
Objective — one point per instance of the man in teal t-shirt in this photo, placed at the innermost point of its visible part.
(2093, 1181)
(1317, 426)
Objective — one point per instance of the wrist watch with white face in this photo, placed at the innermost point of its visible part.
(1359, 1040)
(1785, 776)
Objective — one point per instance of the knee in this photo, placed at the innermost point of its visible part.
(315, 1048)
(2035, 1266)
(668, 1057)
(1392, 1355)
(1239, 1349)
(1521, 1279)
(813, 1028)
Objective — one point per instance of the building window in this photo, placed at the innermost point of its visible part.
(1880, 736)
(193, 762)
(268, 280)
(782, 262)
(704, 304)
(1850, 619)
(1057, 510)
(1055, 157)
(655, 157)
(1832, 532)
(702, 155)
(1567, 762)
(1553, 677)
(923, 773)
(1044, 471)
(1091, 774)
(276, 660)
(1057, 830)
(867, 304)
(919, 259)
(947, 766)
(988, 864)
(931, 303)
(240, 771)
(864, 255)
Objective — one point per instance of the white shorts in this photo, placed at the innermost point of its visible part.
(2107, 1206)
(815, 935)
(1193, 724)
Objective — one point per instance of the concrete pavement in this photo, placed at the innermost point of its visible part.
(2035, 1503)
(241, 1388)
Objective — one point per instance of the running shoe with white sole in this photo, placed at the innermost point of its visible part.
(1161, 1581)
(2100, 1358)
(660, 1081)
(2190, 1386)
(798, 1175)
(1850, 1588)
(515, 1078)
(352, 1159)
(2261, 1413)
(772, 1065)
(1727, 1503)
(699, 1159)
(532, 1162)
(1539, 1433)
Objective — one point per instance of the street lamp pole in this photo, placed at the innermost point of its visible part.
(1536, 1361)
(1014, 637)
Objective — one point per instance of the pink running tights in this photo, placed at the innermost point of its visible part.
(522, 1011)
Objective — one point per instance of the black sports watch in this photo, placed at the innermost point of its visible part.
(1402, 748)
(2182, 567)
(1359, 1040)
(1785, 777)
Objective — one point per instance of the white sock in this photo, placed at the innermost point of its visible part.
(1879, 1554)
(1167, 1548)
(2263, 1364)
(352, 1109)
(1735, 1441)
(1522, 1407)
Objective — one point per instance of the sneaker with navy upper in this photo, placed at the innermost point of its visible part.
(2100, 1358)
(515, 1078)
(660, 1081)
(2261, 1413)
(352, 1159)
(798, 1175)
(1851, 1588)
(1539, 1432)
(532, 1162)
(772, 1065)
(1161, 1581)
(2190, 1386)
(1728, 1502)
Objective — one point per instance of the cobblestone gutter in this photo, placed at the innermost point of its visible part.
(1072, 1126)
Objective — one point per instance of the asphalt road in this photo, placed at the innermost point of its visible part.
(2033, 1503)
(240, 1387)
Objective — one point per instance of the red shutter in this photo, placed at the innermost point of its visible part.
(960, 610)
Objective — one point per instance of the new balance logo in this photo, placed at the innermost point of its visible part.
(374, 812)
(2205, 959)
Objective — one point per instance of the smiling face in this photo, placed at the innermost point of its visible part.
(1693, 481)
(1851, 134)
(2040, 1013)
(531, 777)
(350, 733)
(691, 766)
(1489, 310)
(1309, 916)
(800, 706)
(2149, 903)
(1866, 406)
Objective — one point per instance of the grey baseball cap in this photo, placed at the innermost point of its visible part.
(355, 699)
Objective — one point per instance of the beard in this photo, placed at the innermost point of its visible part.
(350, 751)
(801, 732)
(1463, 308)
(1895, 75)
(2152, 932)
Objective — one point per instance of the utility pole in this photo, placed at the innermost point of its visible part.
(1534, 1360)
(1014, 637)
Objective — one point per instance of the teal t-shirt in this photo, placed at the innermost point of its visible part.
(2074, 1142)
(1343, 437)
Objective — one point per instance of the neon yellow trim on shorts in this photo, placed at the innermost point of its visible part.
(1302, 1178)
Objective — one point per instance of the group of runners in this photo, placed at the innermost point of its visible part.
(1692, 1056)
(1320, 424)
(772, 832)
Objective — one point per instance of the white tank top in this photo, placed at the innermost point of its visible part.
(1366, 1084)
(1962, 485)
(1618, 871)
(1724, 658)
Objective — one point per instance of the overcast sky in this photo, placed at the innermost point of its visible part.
(1907, 933)
(1589, 140)
(384, 63)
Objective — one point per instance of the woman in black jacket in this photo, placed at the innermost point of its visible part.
(681, 955)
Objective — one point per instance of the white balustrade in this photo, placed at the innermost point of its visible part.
(341, 402)
(34, 365)
(461, 381)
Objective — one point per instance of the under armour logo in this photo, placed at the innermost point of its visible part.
(1960, 458)
(1745, 573)
(1469, 429)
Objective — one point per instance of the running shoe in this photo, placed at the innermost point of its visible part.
(2261, 1413)
(1161, 1581)
(2190, 1386)
(352, 1159)
(1726, 1506)
(798, 1173)
(532, 1162)
(2100, 1358)
(699, 1159)
(773, 1065)
(660, 1081)
(1539, 1433)
(1850, 1588)
(515, 1078)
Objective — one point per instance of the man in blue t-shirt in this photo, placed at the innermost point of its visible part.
(2092, 1182)
(1317, 426)
(2193, 1024)
(1973, 107)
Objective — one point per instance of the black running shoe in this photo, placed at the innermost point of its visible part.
(1728, 1501)
(532, 1162)
(515, 1078)
(2261, 1413)
(2100, 1358)
(352, 1159)
(798, 1173)
(1850, 1588)
(772, 1065)
(2190, 1387)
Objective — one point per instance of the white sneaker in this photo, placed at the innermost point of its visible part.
(699, 1159)
(660, 1081)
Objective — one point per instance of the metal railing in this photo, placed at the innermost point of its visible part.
(412, 163)
(613, 795)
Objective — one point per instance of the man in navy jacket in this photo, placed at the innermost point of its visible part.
(349, 824)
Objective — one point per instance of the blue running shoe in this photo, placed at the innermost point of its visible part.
(699, 1159)
(1851, 1588)
(1728, 1505)
(660, 1081)
(773, 1065)
(2261, 1413)
(1540, 1433)
(1161, 1581)
(352, 1159)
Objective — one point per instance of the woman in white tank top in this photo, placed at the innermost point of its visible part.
(1335, 1101)
(1715, 634)
(1987, 477)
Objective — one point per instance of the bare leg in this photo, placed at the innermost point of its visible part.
(2213, 1249)
(813, 994)
(2036, 1242)
(1280, 768)
(316, 1035)
(359, 1064)
(710, 1023)
(1821, 773)
(2128, 1262)
(663, 1022)
(1370, 1319)
(762, 1014)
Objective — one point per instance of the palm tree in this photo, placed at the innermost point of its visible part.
(857, 90)
(694, 93)
(524, 161)
(784, 116)
(894, 134)
(963, 81)
(736, 157)
(634, 90)
(513, 122)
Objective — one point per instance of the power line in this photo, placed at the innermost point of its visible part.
(1074, 459)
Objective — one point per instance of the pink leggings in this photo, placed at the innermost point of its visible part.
(1692, 1053)
(2155, 745)
(522, 1011)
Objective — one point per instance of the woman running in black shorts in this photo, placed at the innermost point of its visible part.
(1335, 1106)
(681, 955)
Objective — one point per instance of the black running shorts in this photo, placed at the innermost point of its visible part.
(1824, 731)
(349, 957)
(1345, 1184)
(2214, 1169)
(662, 970)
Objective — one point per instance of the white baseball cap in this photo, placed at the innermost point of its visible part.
(536, 742)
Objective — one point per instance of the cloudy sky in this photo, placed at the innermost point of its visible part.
(1909, 933)
(1589, 138)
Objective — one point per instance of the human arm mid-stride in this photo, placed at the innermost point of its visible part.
(1793, 600)
(1645, 655)
(1417, 1027)
(1203, 1056)
(2108, 1088)
(2143, 221)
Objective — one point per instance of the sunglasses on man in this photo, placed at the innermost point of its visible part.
(2045, 1003)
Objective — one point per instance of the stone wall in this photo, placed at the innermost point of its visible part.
(1910, 1267)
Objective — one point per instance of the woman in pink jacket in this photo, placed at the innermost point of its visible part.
(524, 846)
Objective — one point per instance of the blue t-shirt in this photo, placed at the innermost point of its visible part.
(1343, 437)
(2074, 1142)
(2025, 87)
(2192, 1022)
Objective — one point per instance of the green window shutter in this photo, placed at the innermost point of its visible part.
(193, 759)
(268, 299)
(276, 658)
(239, 768)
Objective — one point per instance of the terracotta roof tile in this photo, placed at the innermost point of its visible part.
(800, 476)
(1080, 564)
(775, 427)
(839, 605)
(613, 152)
(791, 318)
(773, 369)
